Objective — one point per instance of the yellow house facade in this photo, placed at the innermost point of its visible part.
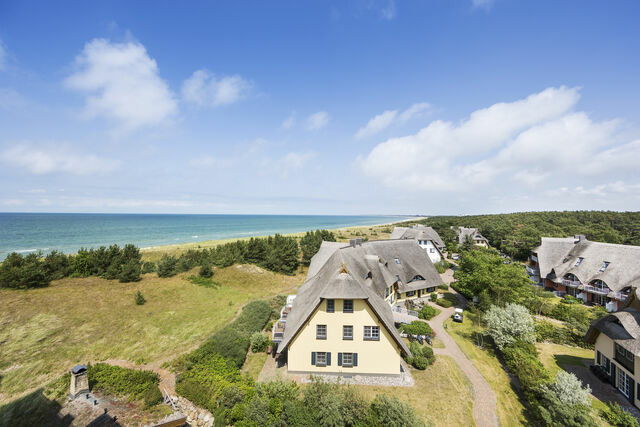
(344, 337)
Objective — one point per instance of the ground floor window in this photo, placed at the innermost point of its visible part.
(599, 299)
(320, 358)
(347, 359)
(606, 363)
(411, 293)
(573, 292)
(624, 383)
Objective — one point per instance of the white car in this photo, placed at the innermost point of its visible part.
(458, 315)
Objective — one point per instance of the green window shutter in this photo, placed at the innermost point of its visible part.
(339, 359)
(313, 358)
(355, 359)
(328, 359)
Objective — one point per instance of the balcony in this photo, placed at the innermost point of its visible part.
(534, 258)
(620, 296)
(596, 290)
(572, 283)
(277, 331)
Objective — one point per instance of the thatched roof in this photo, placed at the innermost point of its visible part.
(464, 232)
(365, 271)
(623, 326)
(418, 232)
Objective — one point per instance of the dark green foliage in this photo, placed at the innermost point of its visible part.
(421, 356)
(139, 298)
(20, 272)
(427, 312)
(434, 296)
(185, 263)
(148, 267)
(483, 270)
(516, 234)
(57, 265)
(310, 243)
(167, 266)
(616, 416)
(522, 360)
(206, 271)
(417, 327)
(130, 271)
(259, 342)
(131, 383)
(443, 302)
(283, 256)
(392, 412)
(547, 331)
(443, 287)
(550, 411)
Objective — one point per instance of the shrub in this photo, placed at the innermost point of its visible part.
(148, 267)
(569, 299)
(551, 411)
(130, 271)
(422, 356)
(392, 412)
(522, 360)
(434, 296)
(167, 266)
(20, 272)
(139, 298)
(427, 312)
(206, 271)
(259, 342)
(417, 327)
(617, 416)
(132, 383)
(444, 287)
(506, 325)
(442, 302)
(568, 388)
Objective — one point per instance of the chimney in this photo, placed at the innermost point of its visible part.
(352, 243)
(577, 238)
(358, 241)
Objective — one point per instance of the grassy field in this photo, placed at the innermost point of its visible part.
(442, 395)
(44, 332)
(254, 363)
(510, 408)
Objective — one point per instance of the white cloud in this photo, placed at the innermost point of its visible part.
(537, 141)
(122, 83)
(289, 122)
(377, 123)
(46, 161)
(205, 89)
(385, 119)
(296, 160)
(318, 120)
(389, 12)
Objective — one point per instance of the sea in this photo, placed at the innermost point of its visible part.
(67, 232)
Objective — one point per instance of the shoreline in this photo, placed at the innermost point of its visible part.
(203, 244)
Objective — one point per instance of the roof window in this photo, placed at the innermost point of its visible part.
(604, 266)
(397, 260)
(579, 261)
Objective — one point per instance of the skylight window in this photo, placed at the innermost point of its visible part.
(604, 266)
(579, 261)
(397, 260)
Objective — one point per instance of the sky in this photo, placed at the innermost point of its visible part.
(319, 107)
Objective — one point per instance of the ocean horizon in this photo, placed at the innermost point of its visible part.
(67, 232)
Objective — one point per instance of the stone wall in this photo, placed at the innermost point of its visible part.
(196, 416)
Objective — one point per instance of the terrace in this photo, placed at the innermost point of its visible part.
(596, 289)
(571, 283)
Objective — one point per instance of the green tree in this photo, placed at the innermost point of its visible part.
(167, 266)
(206, 270)
(509, 324)
(130, 271)
(139, 299)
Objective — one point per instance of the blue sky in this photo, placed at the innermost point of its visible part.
(327, 107)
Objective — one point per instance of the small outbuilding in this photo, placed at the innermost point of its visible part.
(79, 381)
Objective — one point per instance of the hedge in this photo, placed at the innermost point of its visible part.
(132, 383)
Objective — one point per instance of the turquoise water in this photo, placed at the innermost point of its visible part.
(31, 232)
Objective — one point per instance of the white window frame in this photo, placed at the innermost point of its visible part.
(319, 335)
(345, 336)
(624, 383)
(348, 364)
(372, 333)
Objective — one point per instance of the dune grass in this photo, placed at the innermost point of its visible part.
(44, 332)
(510, 409)
(442, 395)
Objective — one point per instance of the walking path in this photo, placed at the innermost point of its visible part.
(484, 404)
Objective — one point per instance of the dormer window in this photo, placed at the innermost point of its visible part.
(397, 260)
(368, 276)
(604, 266)
(578, 262)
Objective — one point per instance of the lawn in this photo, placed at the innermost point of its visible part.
(442, 395)
(510, 409)
(254, 363)
(44, 332)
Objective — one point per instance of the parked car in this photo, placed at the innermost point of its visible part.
(455, 257)
(458, 315)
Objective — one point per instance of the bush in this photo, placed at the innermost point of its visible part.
(167, 266)
(568, 388)
(392, 412)
(522, 360)
(506, 325)
(444, 287)
(148, 267)
(259, 342)
(421, 356)
(139, 298)
(617, 416)
(130, 271)
(427, 312)
(206, 271)
(442, 302)
(417, 327)
(569, 299)
(20, 272)
(132, 383)
(434, 296)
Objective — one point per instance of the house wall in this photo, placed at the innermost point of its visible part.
(481, 243)
(421, 293)
(605, 346)
(374, 357)
(432, 251)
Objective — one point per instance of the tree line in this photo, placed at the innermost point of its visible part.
(280, 254)
(516, 234)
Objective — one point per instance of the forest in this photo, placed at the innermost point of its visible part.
(516, 234)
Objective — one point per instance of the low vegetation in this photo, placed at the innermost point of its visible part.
(616, 416)
(122, 382)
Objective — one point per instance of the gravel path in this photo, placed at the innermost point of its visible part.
(484, 404)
